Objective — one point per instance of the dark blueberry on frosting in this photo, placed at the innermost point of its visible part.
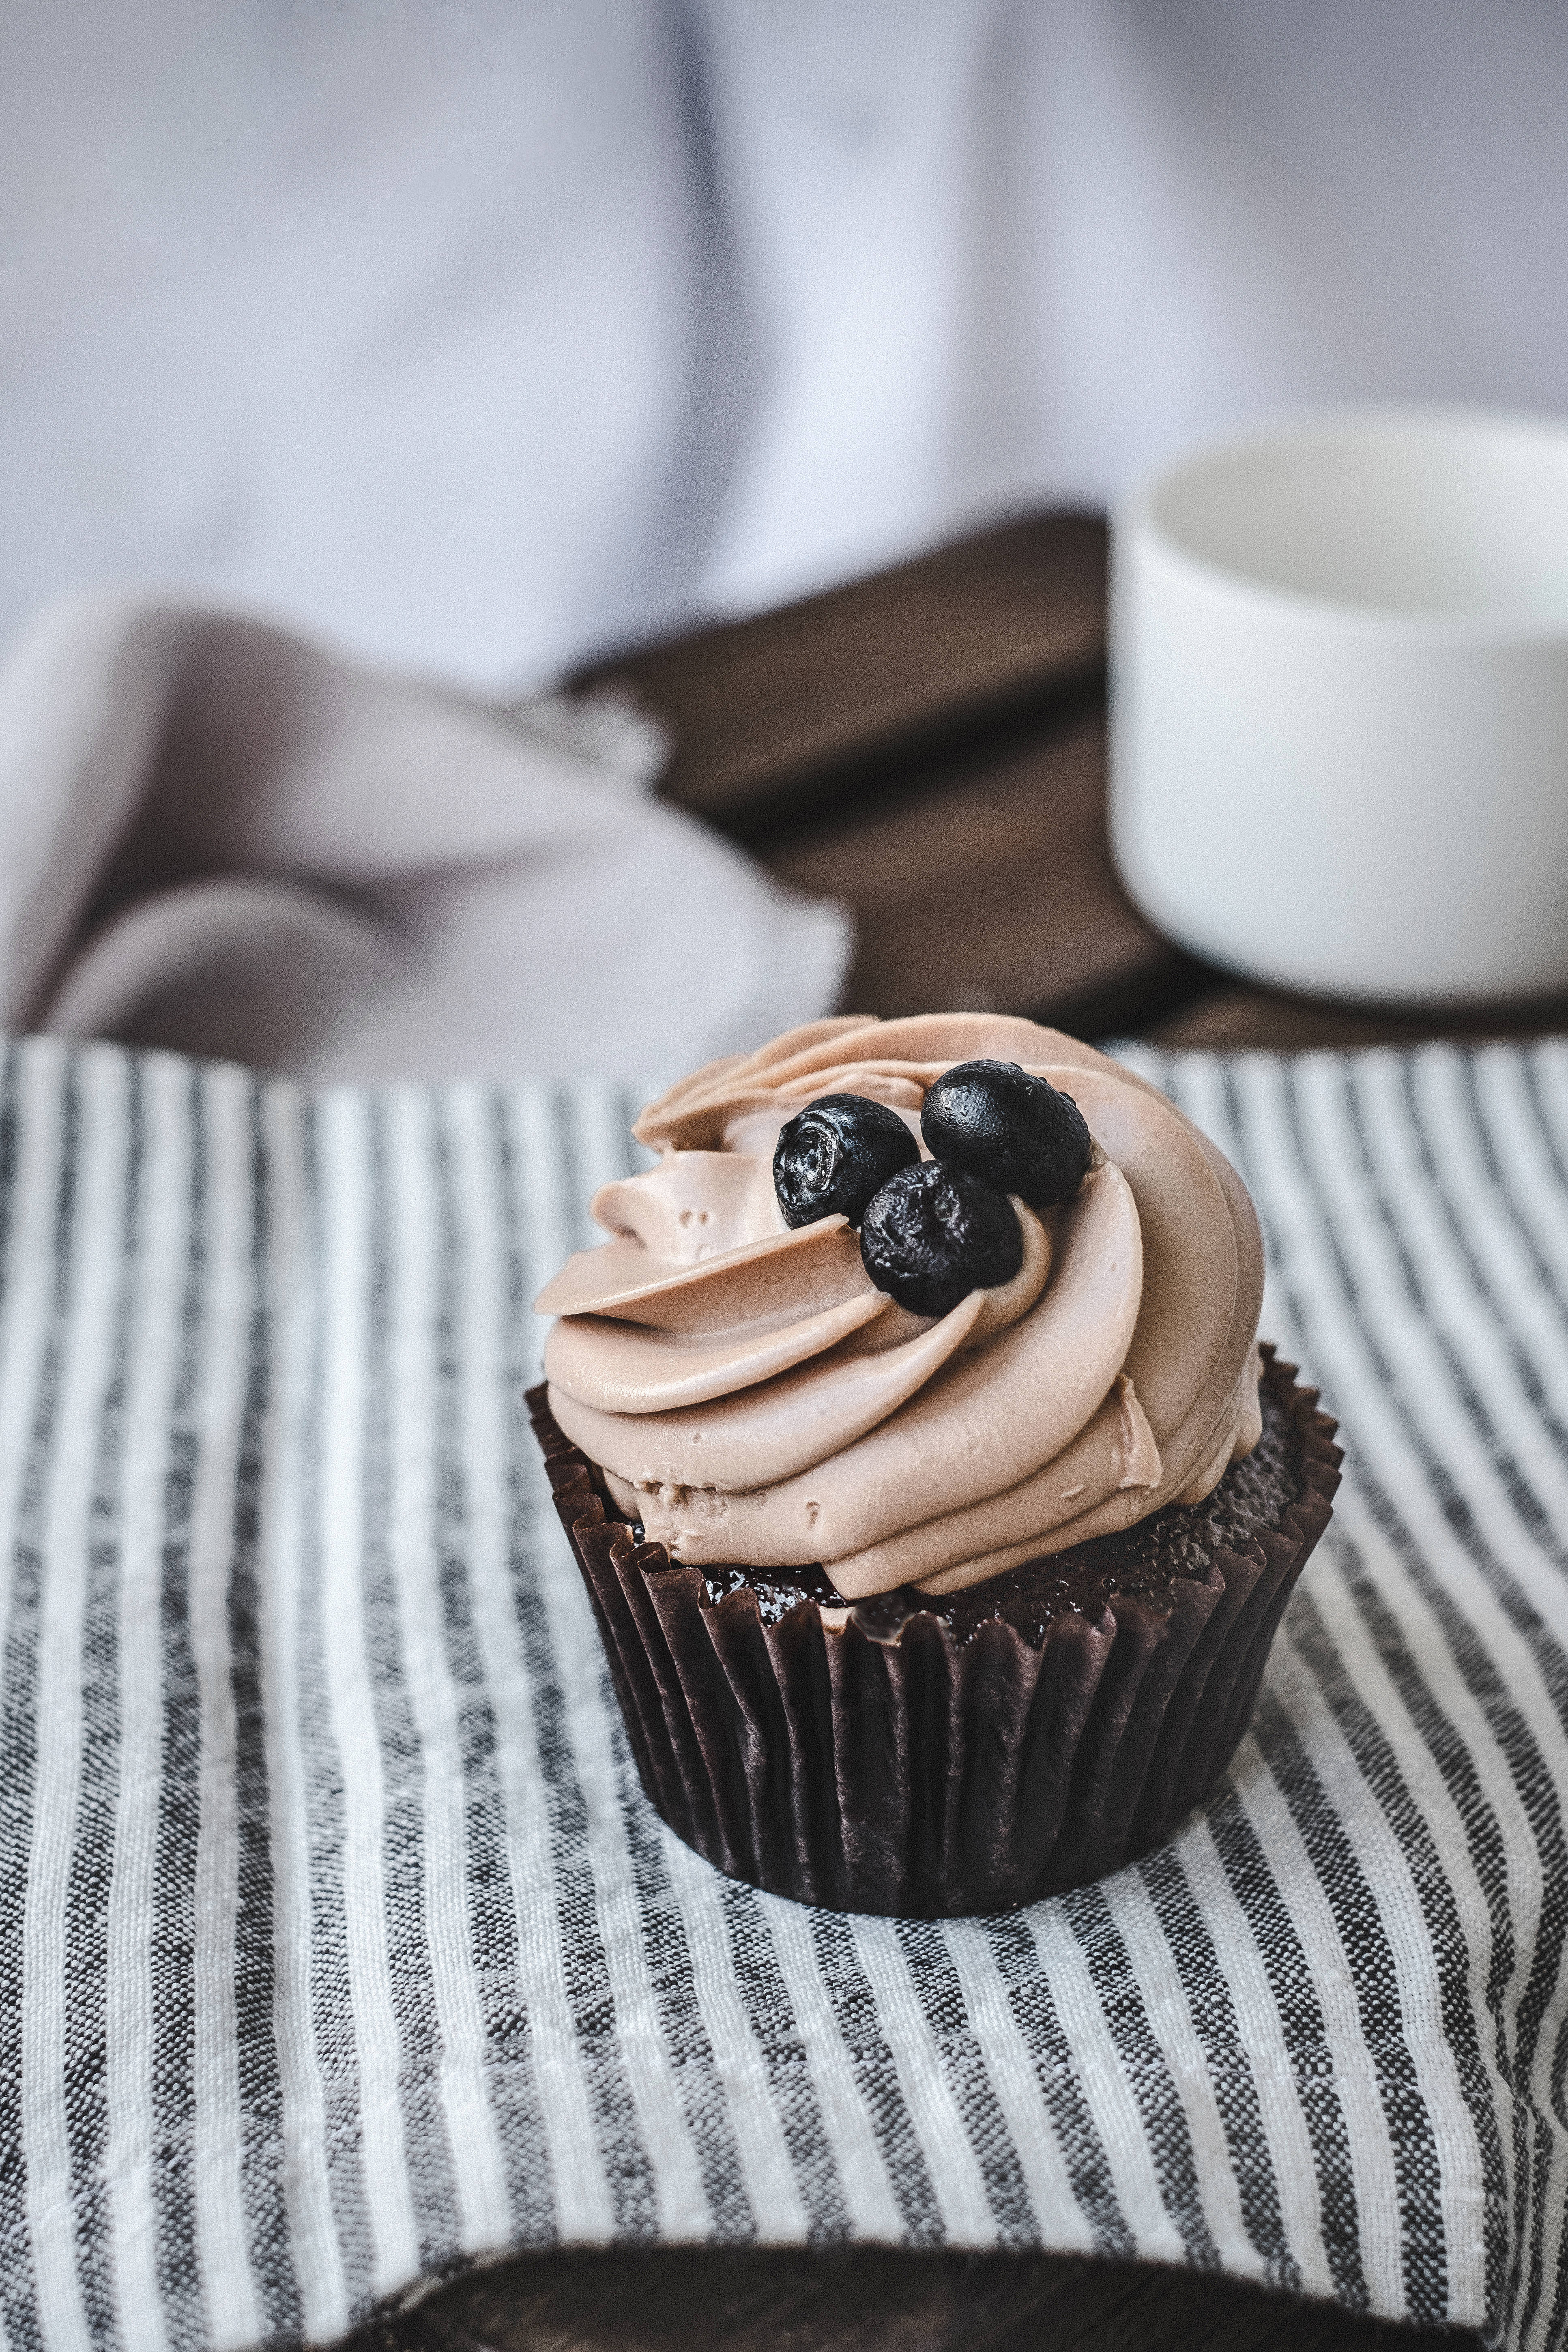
(835, 1154)
(933, 1235)
(997, 1121)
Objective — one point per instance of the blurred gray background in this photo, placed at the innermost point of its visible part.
(479, 336)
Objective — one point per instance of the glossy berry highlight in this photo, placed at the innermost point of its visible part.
(933, 1235)
(1010, 1128)
(835, 1154)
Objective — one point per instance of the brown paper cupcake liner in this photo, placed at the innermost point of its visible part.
(892, 1769)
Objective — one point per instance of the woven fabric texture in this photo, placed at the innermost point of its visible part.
(342, 1947)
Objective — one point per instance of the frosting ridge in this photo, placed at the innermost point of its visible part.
(753, 1398)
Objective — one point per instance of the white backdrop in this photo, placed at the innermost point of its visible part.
(479, 335)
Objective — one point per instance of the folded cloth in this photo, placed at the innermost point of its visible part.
(221, 840)
(345, 1948)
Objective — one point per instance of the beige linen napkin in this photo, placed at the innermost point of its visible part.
(223, 840)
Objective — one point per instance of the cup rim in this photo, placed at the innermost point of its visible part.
(1135, 516)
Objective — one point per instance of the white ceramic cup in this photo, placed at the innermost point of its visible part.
(1339, 705)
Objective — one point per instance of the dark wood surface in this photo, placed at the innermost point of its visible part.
(774, 717)
(988, 887)
(929, 746)
(1239, 1017)
(872, 2299)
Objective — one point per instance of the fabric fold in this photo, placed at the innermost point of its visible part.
(223, 840)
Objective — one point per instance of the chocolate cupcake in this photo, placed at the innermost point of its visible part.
(936, 1501)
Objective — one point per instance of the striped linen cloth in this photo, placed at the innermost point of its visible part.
(342, 1947)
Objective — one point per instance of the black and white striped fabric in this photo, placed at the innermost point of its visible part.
(342, 1947)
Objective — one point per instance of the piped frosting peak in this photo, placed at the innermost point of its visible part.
(752, 1396)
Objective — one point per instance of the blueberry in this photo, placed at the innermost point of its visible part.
(933, 1235)
(995, 1120)
(835, 1154)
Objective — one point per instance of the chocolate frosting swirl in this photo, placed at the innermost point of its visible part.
(753, 1398)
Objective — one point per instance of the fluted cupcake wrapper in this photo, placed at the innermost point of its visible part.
(883, 1766)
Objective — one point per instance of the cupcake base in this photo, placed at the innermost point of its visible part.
(890, 1759)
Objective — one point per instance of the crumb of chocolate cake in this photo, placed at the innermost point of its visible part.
(777, 1593)
(1147, 1558)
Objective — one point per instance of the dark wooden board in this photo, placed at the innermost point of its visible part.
(927, 746)
(1232, 1017)
(873, 2299)
(782, 714)
(988, 887)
